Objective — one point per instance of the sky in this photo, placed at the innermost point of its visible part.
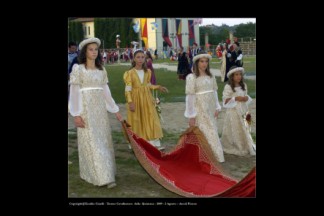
(227, 21)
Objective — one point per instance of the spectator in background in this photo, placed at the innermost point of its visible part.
(183, 65)
(239, 54)
(193, 52)
(118, 41)
(219, 49)
(156, 54)
(149, 64)
(72, 53)
(72, 59)
(232, 56)
(224, 63)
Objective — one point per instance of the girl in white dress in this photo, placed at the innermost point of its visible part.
(90, 98)
(202, 106)
(236, 137)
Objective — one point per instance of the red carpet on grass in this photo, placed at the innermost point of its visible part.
(189, 169)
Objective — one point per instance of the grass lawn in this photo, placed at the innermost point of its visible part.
(166, 78)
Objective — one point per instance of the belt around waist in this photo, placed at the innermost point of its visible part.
(204, 92)
(91, 88)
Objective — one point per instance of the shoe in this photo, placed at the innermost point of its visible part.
(111, 185)
(129, 146)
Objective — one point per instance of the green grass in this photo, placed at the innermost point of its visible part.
(170, 139)
(254, 137)
(166, 78)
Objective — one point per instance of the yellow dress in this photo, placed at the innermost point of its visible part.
(144, 121)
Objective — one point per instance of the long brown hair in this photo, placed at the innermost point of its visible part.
(83, 57)
(196, 69)
(144, 66)
(231, 82)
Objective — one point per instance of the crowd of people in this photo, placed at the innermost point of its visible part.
(90, 98)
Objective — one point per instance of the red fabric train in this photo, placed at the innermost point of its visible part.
(189, 169)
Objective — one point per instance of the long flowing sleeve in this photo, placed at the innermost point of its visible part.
(249, 98)
(215, 87)
(110, 102)
(218, 106)
(111, 106)
(228, 93)
(75, 100)
(190, 111)
(128, 86)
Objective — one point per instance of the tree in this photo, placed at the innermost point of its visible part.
(131, 35)
(106, 30)
(216, 34)
(245, 30)
(222, 36)
(75, 31)
(219, 34)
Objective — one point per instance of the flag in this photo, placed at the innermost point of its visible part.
(191, 32)
(165, 32)
(179, 31)
(144, 31)
(154, 25)
(136, 27)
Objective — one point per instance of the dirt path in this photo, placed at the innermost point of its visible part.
(173, 118)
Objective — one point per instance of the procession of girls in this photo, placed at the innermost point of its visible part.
(90, 99)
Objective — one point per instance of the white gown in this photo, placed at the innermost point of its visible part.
(236, 138)
(201, 103)
(90, 98)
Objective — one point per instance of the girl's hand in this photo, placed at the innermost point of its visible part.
(131, 106)
(78, 121)
(245, 98)
(192, 122)
(163, 89)
(216, 113)
(118, 116)
(239, 98)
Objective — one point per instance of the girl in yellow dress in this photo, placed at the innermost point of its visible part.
(141, 112)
